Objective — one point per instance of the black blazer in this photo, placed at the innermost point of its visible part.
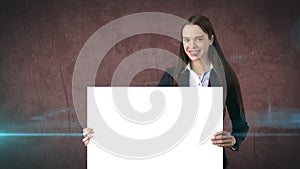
(239, 124)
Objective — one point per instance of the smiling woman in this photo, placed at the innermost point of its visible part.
(204, 65)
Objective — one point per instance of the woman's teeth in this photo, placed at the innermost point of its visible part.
(194, 52)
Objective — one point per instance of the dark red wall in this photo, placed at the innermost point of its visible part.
(41, 40)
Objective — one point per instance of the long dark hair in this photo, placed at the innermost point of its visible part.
(231, 80)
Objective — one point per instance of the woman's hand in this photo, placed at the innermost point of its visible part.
(87, 133)
(223, 139)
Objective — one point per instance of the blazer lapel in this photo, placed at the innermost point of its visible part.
(213, 80)
(184, 78)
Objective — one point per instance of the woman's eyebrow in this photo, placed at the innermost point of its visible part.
(200, 36)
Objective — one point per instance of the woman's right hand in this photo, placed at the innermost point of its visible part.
(87, 133)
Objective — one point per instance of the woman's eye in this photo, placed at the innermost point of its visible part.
(185, 40)
(199, 39)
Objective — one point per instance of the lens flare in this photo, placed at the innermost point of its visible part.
(41, 134)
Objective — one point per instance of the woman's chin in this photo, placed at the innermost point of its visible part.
(194, 58)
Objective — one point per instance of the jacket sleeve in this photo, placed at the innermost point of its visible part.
(237, 116)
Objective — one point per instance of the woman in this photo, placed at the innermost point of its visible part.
(203, 64)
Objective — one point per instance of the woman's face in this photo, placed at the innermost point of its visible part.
(195, 42)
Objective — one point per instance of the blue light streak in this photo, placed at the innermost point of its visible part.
(41, 135)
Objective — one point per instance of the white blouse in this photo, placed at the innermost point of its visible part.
(201, 80)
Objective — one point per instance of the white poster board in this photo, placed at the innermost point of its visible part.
(154, 127)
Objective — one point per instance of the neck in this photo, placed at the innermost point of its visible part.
(199, 66)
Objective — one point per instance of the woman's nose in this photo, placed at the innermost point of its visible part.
(192, 44)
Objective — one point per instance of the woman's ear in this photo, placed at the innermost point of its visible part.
(211, 40)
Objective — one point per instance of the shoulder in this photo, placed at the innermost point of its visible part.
(167, 78)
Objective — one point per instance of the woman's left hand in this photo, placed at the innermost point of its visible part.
(223, 139)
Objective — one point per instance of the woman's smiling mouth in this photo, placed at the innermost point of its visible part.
(194, 52)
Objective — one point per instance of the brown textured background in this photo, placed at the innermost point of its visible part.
(40, 41)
